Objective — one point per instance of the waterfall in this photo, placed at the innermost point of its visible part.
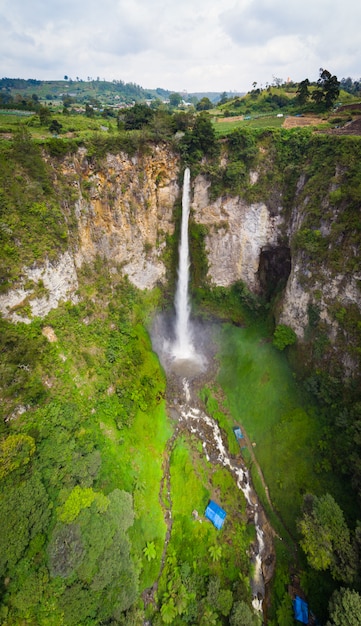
(183, 346)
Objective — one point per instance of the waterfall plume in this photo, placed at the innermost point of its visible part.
(181, 342)
(183, 345)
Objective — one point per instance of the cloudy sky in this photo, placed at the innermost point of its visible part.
(190, 45)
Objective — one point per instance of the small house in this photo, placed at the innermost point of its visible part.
(215, 514)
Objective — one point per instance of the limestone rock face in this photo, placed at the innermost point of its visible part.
(126, 212)
(58, 281)
(300, 293)
(237, 233)
(296, 300)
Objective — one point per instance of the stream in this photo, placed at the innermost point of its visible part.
(214, 444)
(186, 350)
(187, 413)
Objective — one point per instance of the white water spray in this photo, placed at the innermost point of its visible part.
(183, 347)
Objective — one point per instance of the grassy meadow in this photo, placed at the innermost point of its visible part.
(287, 432)
(223, 128)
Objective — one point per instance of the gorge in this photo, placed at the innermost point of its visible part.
(103, 434)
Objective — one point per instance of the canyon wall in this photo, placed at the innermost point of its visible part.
(123, 207)
(316, 298)
(237, 233)
(127, 211)
(124, 211)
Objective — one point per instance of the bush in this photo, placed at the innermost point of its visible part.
(284, 336)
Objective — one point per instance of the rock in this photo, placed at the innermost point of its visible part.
(237, 233)
(60, 282)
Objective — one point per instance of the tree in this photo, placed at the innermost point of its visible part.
(203, 133)
(209, 617)
(225, 601)
(204, 104)
(283, 336)
(66, 550)
(223, 98)
(215, 552)
(55, 126)
(81, 498)
(182, 120)
(137, 117)
(175, 99)
(344, 608)
(303, 93)
(149, 551)
(15, 451)
(327, 91)
(242, 615)
(44, 115)
(326, 537)
(162, 124)
(168, 611)
(89, 111)
(285, 612)
(93, 553)
(24, 515)
(331, 89)
(277, 81)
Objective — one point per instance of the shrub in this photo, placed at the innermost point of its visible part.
(284, 336)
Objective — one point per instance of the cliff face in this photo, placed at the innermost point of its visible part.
(59, 281)
(264, 244)
(237, 234)
(127, 211)
(124, 212)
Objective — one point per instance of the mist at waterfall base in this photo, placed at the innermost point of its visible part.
(179, 341)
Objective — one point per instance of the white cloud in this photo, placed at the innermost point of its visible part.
(207, 45)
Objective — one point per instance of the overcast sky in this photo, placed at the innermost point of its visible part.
(190, 45)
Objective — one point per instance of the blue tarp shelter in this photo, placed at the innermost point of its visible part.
(215, 514)
(237, 431)
(239, 436)
(300, 608)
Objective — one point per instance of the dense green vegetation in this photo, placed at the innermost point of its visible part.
(84, 434)
(74, 522)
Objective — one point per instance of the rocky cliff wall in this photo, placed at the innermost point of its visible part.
(127, 211)
(237, 233)
(321, 299)
(124, 209)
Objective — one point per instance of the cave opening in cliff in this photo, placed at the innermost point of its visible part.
(274, 270)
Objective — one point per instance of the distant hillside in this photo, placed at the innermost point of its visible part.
(79, 90)
(14, 90)
(214, 96)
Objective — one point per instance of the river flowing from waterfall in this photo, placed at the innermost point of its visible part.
(184, 347)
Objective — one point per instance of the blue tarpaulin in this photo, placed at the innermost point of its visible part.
(215, 514)
(240, 437)
(237, 431)
(300, 608)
